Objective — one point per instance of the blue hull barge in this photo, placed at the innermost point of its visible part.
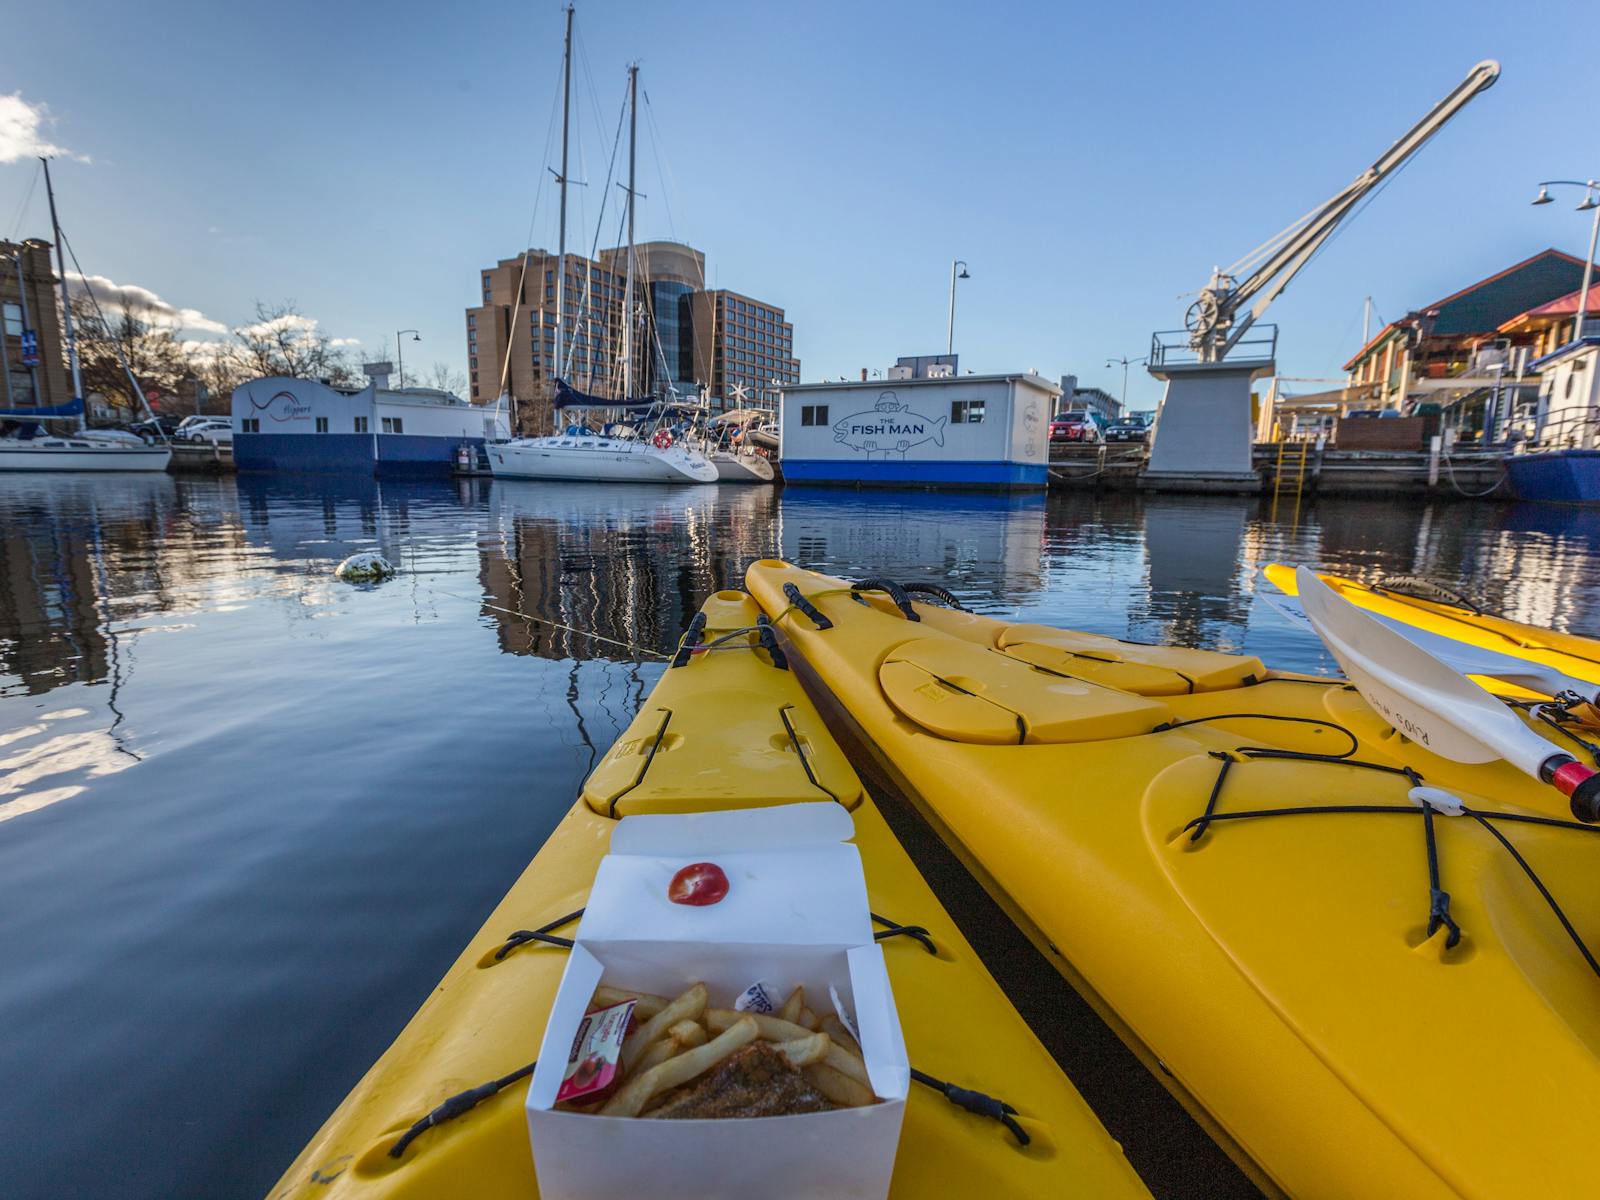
(304, 426)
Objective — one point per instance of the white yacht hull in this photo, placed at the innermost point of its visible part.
(71, 454)
(600, 460)
(741, 468)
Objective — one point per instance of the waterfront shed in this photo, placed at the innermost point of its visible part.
(971, 431)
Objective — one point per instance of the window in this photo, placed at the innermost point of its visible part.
(322, 424)
(394, 425)
(13, 317)
(361, 425)
(250, 425)
(813, 414)
(966, 412)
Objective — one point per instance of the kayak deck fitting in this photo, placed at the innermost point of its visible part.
(1358, 992)
(727, 726)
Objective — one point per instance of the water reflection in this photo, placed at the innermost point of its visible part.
(231, 787)
(632, 565)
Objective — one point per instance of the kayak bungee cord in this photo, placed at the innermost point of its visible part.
(979, 1103)
(1355, 743)
(1439, 899)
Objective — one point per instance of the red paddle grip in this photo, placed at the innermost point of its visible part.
(1582, 784)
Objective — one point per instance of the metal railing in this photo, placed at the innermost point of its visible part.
(1176, 348)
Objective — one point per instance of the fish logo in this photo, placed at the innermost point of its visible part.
(889, 428)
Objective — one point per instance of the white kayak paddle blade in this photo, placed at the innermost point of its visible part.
(1465, 658)
(1423, 698)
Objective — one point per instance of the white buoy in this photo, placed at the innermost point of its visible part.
(364, 568)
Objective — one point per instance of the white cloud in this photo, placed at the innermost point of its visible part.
(119, 298)
(21, 131)
(291, 323)
(338, 342)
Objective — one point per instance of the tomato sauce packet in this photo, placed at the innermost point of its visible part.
(596, 1054)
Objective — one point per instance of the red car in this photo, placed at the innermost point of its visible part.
(1074, 427)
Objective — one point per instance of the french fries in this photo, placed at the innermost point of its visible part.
(681, 1038)
(687, 1006)
(837, 1086)
(789, 1010)
(645, 1005)
(688, 1033)
(802, 1052)
(840, 1036)
(641, 1089)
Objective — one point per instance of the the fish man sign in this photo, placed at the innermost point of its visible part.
(889, 429)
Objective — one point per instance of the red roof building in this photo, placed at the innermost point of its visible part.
(1459, 345)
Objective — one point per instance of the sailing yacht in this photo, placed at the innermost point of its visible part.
(650, 452)
(24, 444)
(733, 453)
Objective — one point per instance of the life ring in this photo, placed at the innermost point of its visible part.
(662, 439)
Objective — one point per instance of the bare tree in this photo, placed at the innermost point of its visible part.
(446, 378)
(108, 341)
(280, 341)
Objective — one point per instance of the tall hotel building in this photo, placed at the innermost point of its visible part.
(685, 337)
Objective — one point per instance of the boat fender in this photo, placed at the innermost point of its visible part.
(368, 567)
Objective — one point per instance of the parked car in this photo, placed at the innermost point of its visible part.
(1127, 431)
(201, 430)
(1074, 427)
(159, 428)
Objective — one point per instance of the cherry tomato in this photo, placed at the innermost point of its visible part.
(698, 884)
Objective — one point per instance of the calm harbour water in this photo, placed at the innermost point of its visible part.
(249, 814)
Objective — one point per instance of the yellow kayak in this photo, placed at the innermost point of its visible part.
(1360, 993)
(1437, 610)
(728, 728)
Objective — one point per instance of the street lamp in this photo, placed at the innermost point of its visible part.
(1591, 200)
(950, 337)
(399, 349)
(1124, 362)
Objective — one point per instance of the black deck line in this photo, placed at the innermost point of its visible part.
(1172, 1154)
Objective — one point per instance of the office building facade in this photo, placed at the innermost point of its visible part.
(30, 305)
(684, 338)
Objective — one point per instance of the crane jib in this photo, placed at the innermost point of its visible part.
(1211, 320)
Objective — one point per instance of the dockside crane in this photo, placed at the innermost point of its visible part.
(1203, 428)
(1218, 318)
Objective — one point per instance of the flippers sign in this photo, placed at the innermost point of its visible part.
(283, 406)
(889, 429)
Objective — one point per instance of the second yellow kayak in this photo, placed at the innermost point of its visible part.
(1365, 987)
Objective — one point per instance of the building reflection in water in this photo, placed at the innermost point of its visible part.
(632, 564)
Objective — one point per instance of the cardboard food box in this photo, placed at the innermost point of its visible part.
(795, 913)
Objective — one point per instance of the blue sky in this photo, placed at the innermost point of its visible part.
(1090, 162)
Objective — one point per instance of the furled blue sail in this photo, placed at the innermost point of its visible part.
(45, 413)
(568, 396)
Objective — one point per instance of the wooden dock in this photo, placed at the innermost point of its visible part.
(1290, 468)
(207, 458)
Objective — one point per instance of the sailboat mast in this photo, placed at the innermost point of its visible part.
(627, 293)
(66, 303)
(561, 245)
